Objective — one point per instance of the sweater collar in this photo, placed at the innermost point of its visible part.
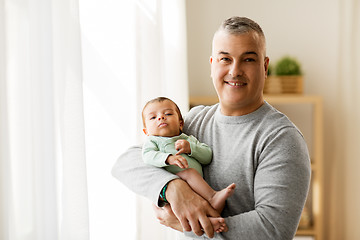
(244, 118)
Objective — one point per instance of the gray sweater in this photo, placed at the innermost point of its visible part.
(262, 152)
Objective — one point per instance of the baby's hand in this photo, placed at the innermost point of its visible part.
(177, 160)
(182, 146)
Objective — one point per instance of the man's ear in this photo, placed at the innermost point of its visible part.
(266, 65)
(211, 61)
(145, 131)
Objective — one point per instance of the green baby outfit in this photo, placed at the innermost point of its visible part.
(156, 150)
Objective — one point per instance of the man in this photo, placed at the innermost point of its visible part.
(254, 146)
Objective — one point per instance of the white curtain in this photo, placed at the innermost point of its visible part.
(43, 192)
(132, 51)
(161, 51)
(161, 71)
(345, 194)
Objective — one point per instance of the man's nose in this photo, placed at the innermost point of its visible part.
(235, 70)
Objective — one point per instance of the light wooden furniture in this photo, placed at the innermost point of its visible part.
(284, 85)
(300, 109)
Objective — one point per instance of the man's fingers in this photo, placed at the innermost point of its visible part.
(185, 225)
(195, 227)
(207, 227)
(191, 224)
(211, 212)
(190, 209)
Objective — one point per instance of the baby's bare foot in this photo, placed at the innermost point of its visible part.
(219, 198)
(218, 224)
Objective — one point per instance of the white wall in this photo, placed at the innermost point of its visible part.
(305, 29)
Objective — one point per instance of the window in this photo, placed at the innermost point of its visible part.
(108, 55)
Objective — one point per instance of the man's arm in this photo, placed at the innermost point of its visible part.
(189, 207)
(139, 177)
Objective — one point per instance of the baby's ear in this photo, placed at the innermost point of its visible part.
(181, 125)
(145, 131)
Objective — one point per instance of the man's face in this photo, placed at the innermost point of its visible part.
(238, 69)
(162, 119)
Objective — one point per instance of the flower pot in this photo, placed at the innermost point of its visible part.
(283, 85)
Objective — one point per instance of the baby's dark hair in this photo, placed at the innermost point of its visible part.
(161, 99)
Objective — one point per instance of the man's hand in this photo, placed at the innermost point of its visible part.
(182, 146)
(166, 217)
(190, 209)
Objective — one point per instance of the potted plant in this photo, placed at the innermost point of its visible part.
(287, 77)
(287, 66)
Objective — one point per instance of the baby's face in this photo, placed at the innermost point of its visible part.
(162, 119)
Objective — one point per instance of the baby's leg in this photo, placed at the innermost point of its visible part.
(219, 198)
(199, 185)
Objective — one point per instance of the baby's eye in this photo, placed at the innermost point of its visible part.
(151, 118)
(168, 114)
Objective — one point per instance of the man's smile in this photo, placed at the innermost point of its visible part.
(236, 84)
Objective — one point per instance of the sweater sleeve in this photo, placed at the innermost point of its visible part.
(281, 185)
(139, 177)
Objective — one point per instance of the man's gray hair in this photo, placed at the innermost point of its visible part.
(239, 25)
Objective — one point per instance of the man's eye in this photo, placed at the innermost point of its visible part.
(225, 59)
(249, 60)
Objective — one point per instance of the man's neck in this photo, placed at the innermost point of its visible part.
(238, 110)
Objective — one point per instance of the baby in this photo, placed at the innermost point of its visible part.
(166, 146)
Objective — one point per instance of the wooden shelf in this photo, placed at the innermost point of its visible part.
(306, 232)
(203, 100)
